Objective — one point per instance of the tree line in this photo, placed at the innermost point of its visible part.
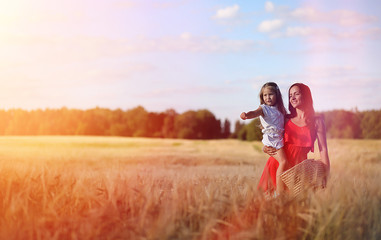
(138, 122)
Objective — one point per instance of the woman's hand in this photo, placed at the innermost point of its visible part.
(269, 150)
(326, 173)
(243, 116)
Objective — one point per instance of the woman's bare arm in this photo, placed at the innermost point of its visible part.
(322, 142)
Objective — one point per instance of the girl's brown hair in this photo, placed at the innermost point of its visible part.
(279, 101)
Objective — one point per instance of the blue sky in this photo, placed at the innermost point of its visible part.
(187, 54)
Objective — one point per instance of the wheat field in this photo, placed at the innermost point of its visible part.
(136, 188)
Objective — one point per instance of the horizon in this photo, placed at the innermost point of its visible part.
(188, 55)
(148, 111)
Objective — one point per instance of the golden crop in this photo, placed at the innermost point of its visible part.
(136, 188)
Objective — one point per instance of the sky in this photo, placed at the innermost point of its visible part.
(188, 54)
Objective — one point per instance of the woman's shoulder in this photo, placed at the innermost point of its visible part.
(319, 117)
(319, 120)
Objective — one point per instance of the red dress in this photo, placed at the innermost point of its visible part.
(298, 141)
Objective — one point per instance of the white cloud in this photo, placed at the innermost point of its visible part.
(189, 43)
(320, 33)
(338, 25)
(270, 25)
(351, 18)
(298, 31)
(51, 50)
(187, 90)
(144, 4)
(331, 71)
(269, 6)
(185, 36)
(307, 13)
(126, 4)
(340, 17)
(227, 13)
(371, 33)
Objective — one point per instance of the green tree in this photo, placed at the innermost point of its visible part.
(137, 121)
(118, 126)
(254, 131)
(155, 124)
(197, 125)
(371, 124)
(208, 127)
(251, 131)
(239, 131)
(18, 123)
(95, 122)
(185, 125)
(226, 129)
(4, 121)
(168, 128)
(342, 124)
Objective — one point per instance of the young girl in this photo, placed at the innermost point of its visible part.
(271, 113)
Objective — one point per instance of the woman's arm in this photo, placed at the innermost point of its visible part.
(322, 142)
(252, 114)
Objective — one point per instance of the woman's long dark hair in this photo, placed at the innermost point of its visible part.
(308, 106)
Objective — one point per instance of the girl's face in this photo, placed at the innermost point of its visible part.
(295, 97)
(269, 96)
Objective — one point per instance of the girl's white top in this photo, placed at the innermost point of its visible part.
(273, 126)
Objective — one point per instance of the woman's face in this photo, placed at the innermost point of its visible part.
(295, 97)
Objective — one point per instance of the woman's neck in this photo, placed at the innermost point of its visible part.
(300, 118)
(300, 114)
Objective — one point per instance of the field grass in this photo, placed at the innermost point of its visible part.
(136, 188)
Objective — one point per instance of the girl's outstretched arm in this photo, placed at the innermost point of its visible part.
(252, 114)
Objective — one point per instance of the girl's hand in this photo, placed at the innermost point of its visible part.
(243, 116)
(269, 150)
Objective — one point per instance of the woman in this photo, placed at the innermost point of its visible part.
(301, 130)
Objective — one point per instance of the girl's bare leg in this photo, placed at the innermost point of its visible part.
(282, 160)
